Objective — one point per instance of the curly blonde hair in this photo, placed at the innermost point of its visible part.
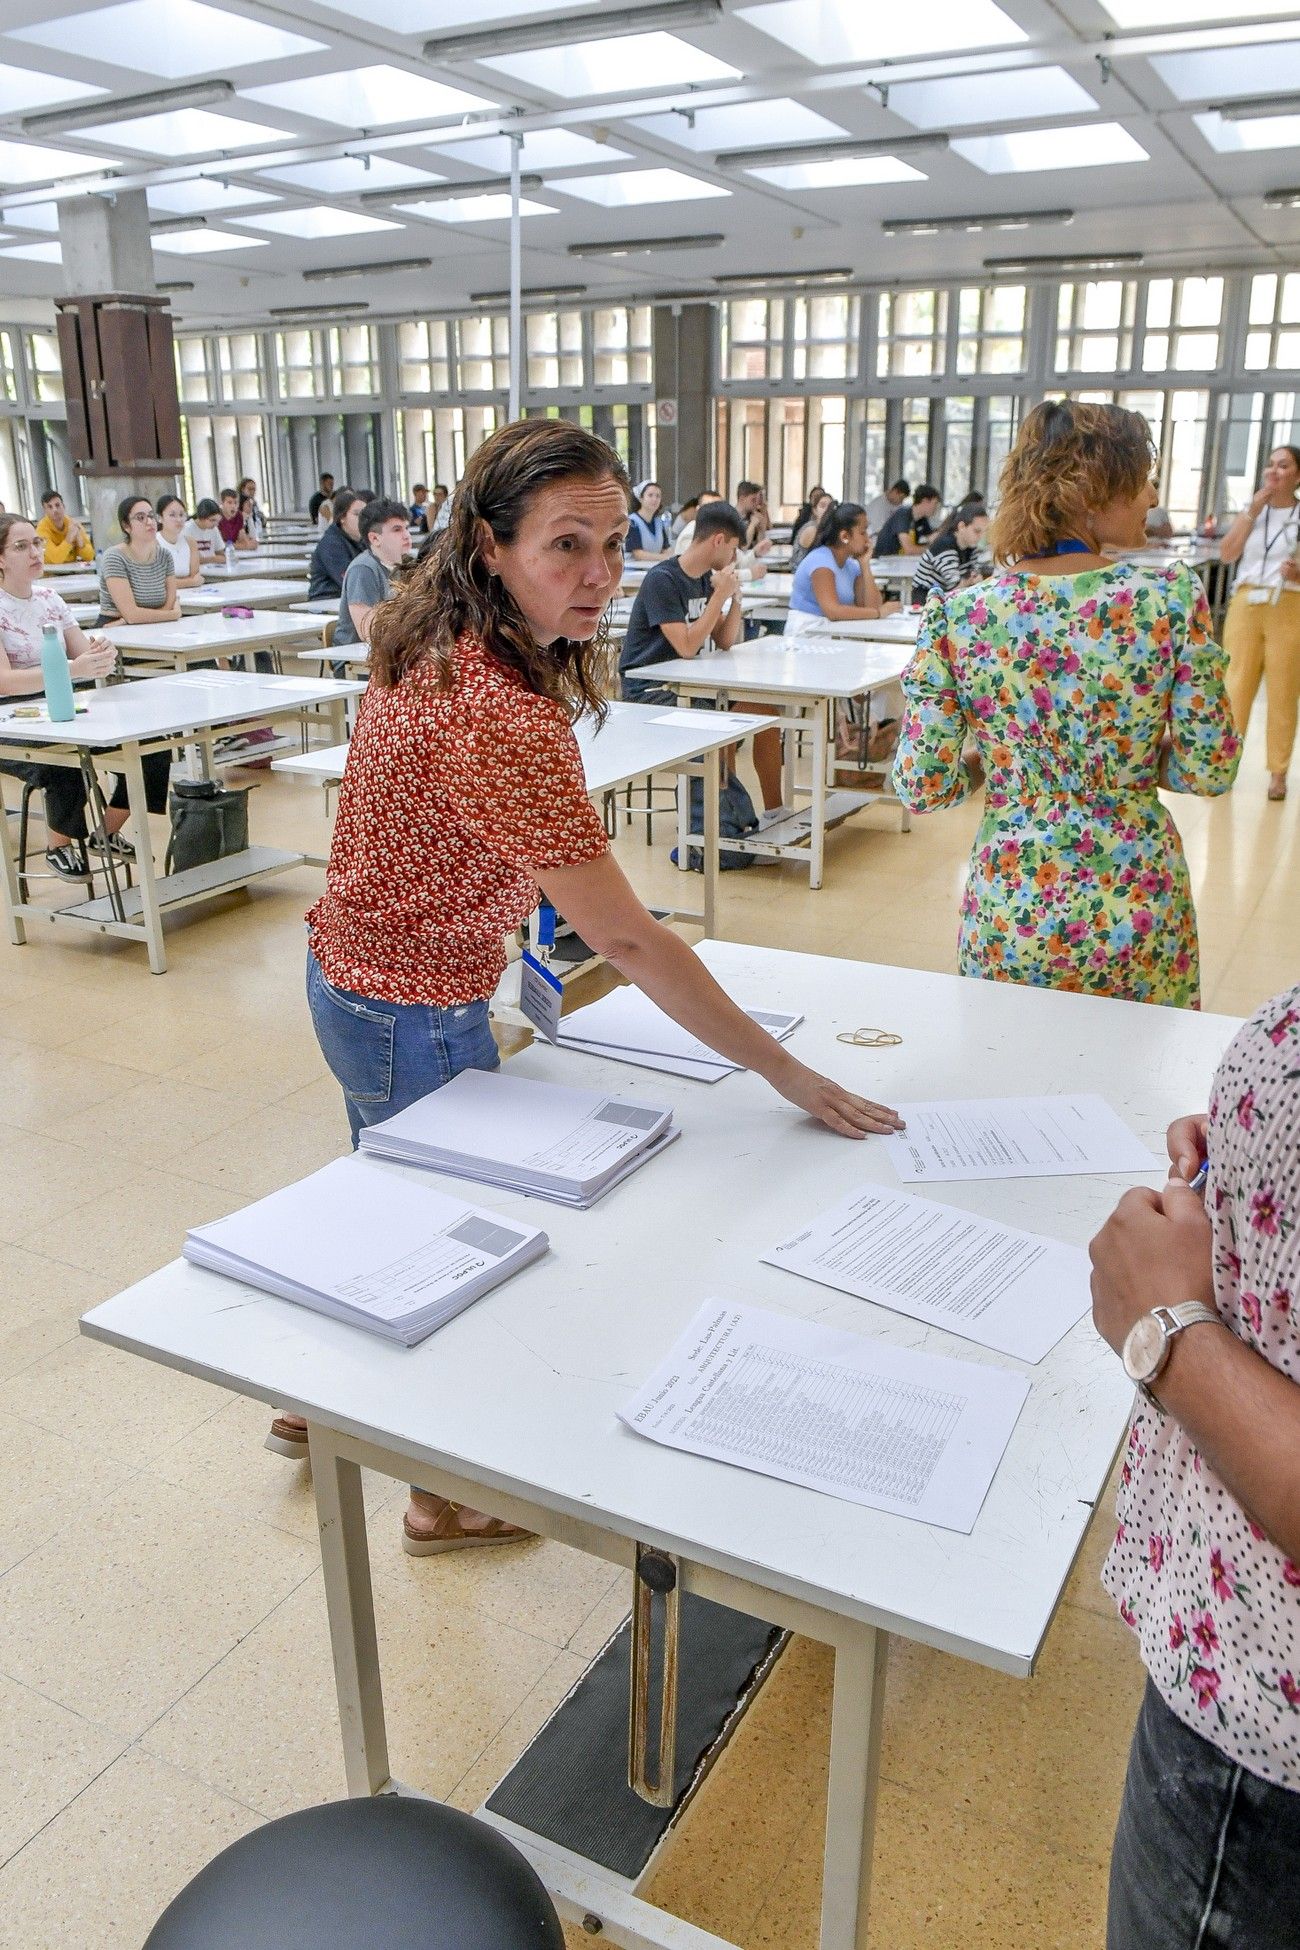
(1070, 457)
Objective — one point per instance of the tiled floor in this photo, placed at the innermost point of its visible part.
(164, 1668)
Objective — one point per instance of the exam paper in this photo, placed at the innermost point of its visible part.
(1010, 1290)
(626, 1019)
(913, 1434)
(1014, 1137)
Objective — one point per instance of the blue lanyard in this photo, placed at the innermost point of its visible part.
(1069, 548)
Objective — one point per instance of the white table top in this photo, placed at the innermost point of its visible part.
(355, 655)
(894, 566)
(121, 713)
(255, 590)
(780, 666)
(901, 628)
(634, 740)
(81, 581)
(522, 1390)
(247, 563)
(318, 606)
(216, 634)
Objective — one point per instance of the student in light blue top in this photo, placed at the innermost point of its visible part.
(649, 533)
(833, 583)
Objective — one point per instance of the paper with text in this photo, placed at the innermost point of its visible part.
(1013, 1291)
(913, 1434)
(1014, 1137)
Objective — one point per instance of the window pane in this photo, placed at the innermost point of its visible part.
(1005, 310)
(8, 385)
(43, 360)
(1200, 301)
(1160, 297)
(1258, 351)
(1195, 351)
(192, 368)
(1102, 305)
(1155, 352)
(1288, 351)
(1289, 310)
(1263, 298)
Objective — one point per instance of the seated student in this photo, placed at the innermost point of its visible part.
(949, 561)
(254, 519)
(28, 607)
(686, 514)
(833, 583)
(748, 566)
(325, 492)
(815, 494)
(910, 527)
(1159, 526)
(752, 503)
(419, 511)
(384, 530)
(137, 579)
(338, 548)
(804, 533)
(65, 540)
(649, 534)
(202, 533)
(440, 510)
(173, 535)
(681, 610)
(884, 505)
(232, 526)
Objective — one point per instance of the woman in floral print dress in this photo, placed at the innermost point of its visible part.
(1205, 1567)
(1085, 683)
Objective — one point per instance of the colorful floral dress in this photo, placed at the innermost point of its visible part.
(1215, 1604)
(1068, 685)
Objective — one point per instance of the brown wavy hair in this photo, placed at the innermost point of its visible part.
(1070, 457)
(451, 590)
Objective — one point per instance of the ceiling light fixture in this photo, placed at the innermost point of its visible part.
(176, 284)
(319, 311)
(379, 269)
(534, 297)
(447, 192)
(1013, 220)
(1282, 199)
(805, 152)
(629, 248)
(1250, 108)
(838, 276)
(96, 114)
(173, 226)
(1083, 261)
(561, 31)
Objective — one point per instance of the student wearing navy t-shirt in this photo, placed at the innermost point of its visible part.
(910, 527)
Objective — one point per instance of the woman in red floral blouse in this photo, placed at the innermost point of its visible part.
(464, 796)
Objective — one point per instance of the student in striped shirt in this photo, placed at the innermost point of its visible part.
(949, 560)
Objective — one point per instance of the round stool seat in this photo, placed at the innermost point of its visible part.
(388, 1873)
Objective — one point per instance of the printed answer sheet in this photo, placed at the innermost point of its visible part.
(1013, 1291)
(1014, 1137)
(913, 1434)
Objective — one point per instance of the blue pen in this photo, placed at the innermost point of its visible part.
(1197, 1184)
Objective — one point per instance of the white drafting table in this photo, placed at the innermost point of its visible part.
(62, 569)
(635, 740)
(317, 606)
(72, 582)
(120, 726)
(895, 569)
(197, 639)
(804, 680)
(248, 562)
(260, 592)
(512, 1407)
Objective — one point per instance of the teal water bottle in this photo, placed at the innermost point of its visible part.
(57, 676)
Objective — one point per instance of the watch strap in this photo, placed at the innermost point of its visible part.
(1186, 1313)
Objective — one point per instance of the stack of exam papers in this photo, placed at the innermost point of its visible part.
(543, 1139)
(628, 1026)
(368, 1246)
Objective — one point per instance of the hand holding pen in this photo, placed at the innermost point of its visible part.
(1188, 1142)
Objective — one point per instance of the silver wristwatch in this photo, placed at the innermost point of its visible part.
(1150, 1341)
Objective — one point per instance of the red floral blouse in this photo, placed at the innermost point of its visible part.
(451, 804)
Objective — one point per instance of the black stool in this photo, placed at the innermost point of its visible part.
(388, 1873)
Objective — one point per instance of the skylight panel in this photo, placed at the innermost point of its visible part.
(185, 132)
(845, 172)
(171, 38)
(34, 162)
(32, 216)
(24, 88)
(831, 32)
(733, 127)
(319, 220)
(193, 243)
(366, 98)
(1088, 146)
(202, 196)
(1234, 138)
(49, 253)
(616, 66)
(622, 188)
(477, 209)
(1219, 73)
(1156, 13)
(1006, 97)
(542, 149)
(345, 175)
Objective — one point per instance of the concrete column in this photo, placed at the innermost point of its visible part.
(683, 372)
(108, 255)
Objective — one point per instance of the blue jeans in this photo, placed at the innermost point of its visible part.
(385, 1055)
(1205, 1852)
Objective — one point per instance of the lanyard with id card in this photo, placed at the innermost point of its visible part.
(541, 993)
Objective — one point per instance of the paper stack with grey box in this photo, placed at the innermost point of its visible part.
(628, 1026)
(369, 1246)
(520, 1135)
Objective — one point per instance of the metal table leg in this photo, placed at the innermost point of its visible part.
(349, 1600)
(857, 1712)
(817, 838)
(150, 911)
(712, 840)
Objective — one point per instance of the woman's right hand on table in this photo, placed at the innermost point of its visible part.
(1188, 1143)
(839, 1109)
(98, 661)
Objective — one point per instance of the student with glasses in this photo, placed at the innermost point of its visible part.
(137, 576)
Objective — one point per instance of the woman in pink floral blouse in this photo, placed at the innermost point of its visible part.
(1205, 1566)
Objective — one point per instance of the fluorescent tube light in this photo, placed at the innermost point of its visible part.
(324, 311)
(840, 276)
(1283, 199)
(447, 192)
(176, 284)
(528, 297)
(1249, 108)
(1084, 261)
(324, 271)
(630, 247)
(805, 152)
(97, 114)
(171, 226)
(1013, 220)
(567, 28)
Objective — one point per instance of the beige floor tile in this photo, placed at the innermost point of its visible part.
(281, 1059)
(44, 1090)
(122, 1618)
(46, 1178)
(109, 1400)
(60, 1015)
(604, 1619)
(156, 1037)
(41, 1301)
(523, 1726)
(125, 1234)
(267, 1148)
(155, 1123)
(99, 1875)
(51, 1755)
(48, 1487)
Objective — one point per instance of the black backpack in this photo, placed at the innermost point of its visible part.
(209, 821)
(736, 818)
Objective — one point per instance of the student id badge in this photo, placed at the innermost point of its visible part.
(1258, 595)
(540, 996)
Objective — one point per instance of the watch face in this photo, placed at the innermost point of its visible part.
(1143, 1348)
